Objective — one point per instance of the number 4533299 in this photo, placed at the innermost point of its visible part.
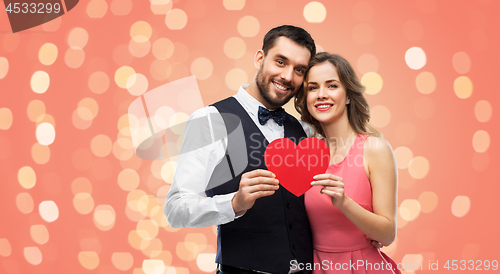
(33, 8)
(471, 265)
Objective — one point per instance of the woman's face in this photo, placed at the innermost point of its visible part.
(326, 96)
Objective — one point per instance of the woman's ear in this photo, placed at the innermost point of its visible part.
(348, 101)
(258, 59)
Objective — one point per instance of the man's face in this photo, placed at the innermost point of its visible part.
(281, 72)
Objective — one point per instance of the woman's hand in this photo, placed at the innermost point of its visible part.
(333, 186)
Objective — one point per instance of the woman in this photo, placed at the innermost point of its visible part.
(355, 200)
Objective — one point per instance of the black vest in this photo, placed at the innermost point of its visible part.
(276, 229)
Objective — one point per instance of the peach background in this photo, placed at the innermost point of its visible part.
(109, 203)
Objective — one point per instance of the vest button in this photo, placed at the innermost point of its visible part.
(288, 205)
(290, 225)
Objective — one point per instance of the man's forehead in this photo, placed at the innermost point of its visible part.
(289, 49)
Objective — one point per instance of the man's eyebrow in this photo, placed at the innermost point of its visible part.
(280, 56)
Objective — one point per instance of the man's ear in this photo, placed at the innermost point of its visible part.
(259, 58)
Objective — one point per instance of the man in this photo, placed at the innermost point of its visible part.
(262, 226)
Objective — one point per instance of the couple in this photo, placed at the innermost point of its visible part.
(262, 227)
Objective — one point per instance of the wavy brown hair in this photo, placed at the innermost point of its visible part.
(358, 111)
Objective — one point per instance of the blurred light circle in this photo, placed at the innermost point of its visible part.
(121, 7)
(483, 111)
(5, 248)
(88, 259)
(40, 82)
(403, 157)
(140, 31)
(426, 82)
(74, 58)
(234, 47)
(104, 217)
(428, 201)
(235, 77)
(415, 58)
(314, 12)
(161, 6)
(248, 26)
(47, 54)
(163, 48)
(460, 206)
(167, 171)
(36, 110)
(372, 82)
(33, 255)
(101, 145)
(153, 267)
(202, 68)
(147, 229)
(461, 62)
(363, 34)
(122, 74)
(137, 84)
(86, 109)
(234, 4)
(81, 185)
(139, 49)
(97, 8)
(128, 179)
(26, 177)
(409, 209)
(53, 25)
(362, 11)
(47, 118)
(45, 134)
(4, 67)
(160, 69)
(48, 211)
(40, 153)
(481, 141)
(122, 260)
(5, 118)
(98, 82)
(176, 19)
(463, 87)
(367, 62)
(39, 234)
(78, 121)
(205, 261)
(83, 203)
(78, 38)
(380, 116)
(24, 202)
(418, 167)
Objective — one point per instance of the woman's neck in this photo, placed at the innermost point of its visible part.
(339, 134)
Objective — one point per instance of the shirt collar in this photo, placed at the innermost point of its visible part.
(250, 104)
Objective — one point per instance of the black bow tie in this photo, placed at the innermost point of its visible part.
(277, 115)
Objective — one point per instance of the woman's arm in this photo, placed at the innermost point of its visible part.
(382, 173)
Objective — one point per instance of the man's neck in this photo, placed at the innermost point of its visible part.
(253, 91)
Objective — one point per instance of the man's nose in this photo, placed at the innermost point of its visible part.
(287, 74)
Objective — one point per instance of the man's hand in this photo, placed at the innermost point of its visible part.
(253, 185)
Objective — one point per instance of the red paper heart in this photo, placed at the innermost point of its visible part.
(294, 165)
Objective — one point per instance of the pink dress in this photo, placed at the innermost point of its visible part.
(339, 246)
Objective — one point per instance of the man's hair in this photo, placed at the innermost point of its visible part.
(296, 34)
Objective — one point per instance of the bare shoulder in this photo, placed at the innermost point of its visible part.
(378, 148)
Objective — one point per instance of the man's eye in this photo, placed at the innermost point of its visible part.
(300, 71)
(280, 62)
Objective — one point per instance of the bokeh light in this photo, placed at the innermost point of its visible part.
(24, 202)
(461, 62)
(78, 38)
(122, 260)
(121, 7)
(137, 84)
(128, 179)
(202, 68)
(428, 201)
(97, 8)
(4, 67)
(5, 247)
(481, 141)
(161, 6)
(47, 54)
(40, 153)
(460, 206)
(139, 49)
(83, 203)
(26, 177)
(81, 185)
(163, 48)
(98, 82)
(314, 12)
(39, 234)
(33, 255)
(122, 74)
(373, 82)
(419, 167)
(141, 31)
(248, 26)
(409, 209)
(235, 77)
(483, 111)
(380, 116)
(176, 19)
(415, 58)
(233, 4)
(36, 110)
(463, 87)
(5, 118)
(48, 211)
(88, 259)
(403, 157)
(104, 217)
(40, 82)
(74, 58)
(426, 82)
(45, 134)
(101, 145)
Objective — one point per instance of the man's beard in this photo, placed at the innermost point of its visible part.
(265, 91)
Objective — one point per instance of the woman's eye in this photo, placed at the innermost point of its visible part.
(333, 86)
(312, 88)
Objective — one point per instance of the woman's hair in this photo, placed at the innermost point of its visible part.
(358, 111)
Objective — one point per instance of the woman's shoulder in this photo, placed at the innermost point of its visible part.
(377, 146)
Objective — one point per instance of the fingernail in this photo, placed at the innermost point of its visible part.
(312, 183)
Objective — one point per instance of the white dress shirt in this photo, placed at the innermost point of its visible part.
(186, 204)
